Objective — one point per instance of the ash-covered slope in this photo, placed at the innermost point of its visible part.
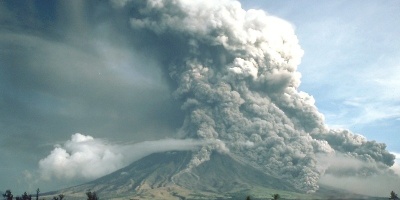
(163, 175)
(166, 176)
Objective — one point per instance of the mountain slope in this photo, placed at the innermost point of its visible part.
(165, 176)
(166, 173)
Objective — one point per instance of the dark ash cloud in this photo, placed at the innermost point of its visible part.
(236, 73)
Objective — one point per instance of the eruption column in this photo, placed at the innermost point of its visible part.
(236, 73)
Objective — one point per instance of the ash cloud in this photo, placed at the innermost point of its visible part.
(235, 72)
(374, 185)
(86, 157)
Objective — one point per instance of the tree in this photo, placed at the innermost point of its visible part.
(59, 197)
(37, 194)
(393, 195)
(8, 195)
(25, 196)
(248, 198)
(276, 196)
(91, 195)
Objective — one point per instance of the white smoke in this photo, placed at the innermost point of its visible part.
(82, 156)
(236, 73)
(86, 157)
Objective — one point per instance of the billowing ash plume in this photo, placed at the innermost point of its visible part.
(236, 73)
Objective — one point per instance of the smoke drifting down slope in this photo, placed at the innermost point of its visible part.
(236, 73)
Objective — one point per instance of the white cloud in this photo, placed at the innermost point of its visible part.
(86, 157)
(396, 166)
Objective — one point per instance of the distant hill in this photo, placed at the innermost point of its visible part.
(164, 176)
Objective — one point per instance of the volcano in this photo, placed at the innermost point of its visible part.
(234, 73)
(166, 176)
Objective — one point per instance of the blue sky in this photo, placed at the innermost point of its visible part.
(351, 63)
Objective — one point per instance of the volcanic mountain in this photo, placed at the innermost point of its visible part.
(166, 176)
(234, 72)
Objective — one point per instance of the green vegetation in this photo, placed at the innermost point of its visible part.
(91, 195)
(37, 194)
(393, 195)
(24, 196)
(59, 197)
(255, 195)
(9, 196)
(276, 196)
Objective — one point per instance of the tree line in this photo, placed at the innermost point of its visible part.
(25, 196)
(393, 196)
(93, 196)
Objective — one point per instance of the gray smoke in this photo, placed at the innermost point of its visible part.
(235, 72)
